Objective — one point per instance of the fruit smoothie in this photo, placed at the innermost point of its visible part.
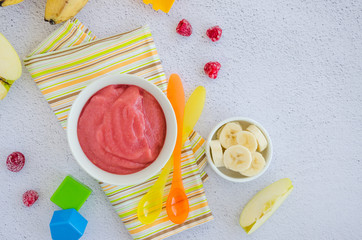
(122, 129)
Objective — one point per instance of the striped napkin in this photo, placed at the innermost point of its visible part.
(71, 58)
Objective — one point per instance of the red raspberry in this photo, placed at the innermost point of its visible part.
(214, 33)
(15, 161)
(184, 28)
(30, 197)
(211, 69)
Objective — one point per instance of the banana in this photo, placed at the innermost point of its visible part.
(247, 139)
(10, 66)
(4, 3)
(228, 134)
(218, 132)
(237, 158)
(57, 11)
(220, 129)
(217, 153)
(260, 138)
(257, 164)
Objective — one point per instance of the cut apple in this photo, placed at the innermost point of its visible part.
(264, 204)
(10, 66)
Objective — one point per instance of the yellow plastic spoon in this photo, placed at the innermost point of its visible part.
(150, 206)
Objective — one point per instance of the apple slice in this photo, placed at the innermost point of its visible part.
(10, 66)
(264, 204)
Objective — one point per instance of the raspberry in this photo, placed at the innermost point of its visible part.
(184, 28)
(30, 197)
(211, 69)
(15, 161)
(214, 33)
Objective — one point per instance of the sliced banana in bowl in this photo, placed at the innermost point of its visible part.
(256, 166)
(217, 153)
(237, 158)
(229, 134)
(260, 138)
(236, 154)
(247, 139)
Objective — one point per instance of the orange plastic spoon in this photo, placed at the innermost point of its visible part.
(177, 205)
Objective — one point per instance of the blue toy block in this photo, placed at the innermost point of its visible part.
(67, 224)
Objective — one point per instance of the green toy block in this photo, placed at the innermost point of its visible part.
(71, 194)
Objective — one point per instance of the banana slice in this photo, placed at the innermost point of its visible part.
(237, 158)
(257, 164)
(220, 129)
(218, 132)
(217, 154)
(247, 139)
(260, 138)
(228, 134)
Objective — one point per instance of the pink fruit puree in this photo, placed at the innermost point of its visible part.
(122, 129)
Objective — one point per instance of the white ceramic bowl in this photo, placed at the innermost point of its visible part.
(232, 175)
(93, 170)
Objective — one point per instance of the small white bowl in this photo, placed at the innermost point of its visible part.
(93, 170)
(232, 175)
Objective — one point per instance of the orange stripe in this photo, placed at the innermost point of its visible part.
(80, 40)
(110, 188)
(97, 74)
(186, 157)
(195, 192)
(144, 72)
(198, 145)
(56, 104)
(159, 82)
(198, 206)
(106, 186)
(145, 227)
(63, 118)
(128, 218)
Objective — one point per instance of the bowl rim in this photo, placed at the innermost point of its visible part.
(234, 119)
(100, 174)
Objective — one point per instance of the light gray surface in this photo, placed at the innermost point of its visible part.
(294, 66)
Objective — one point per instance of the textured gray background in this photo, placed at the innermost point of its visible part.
(294, 66)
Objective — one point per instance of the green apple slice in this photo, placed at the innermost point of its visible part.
(10, 66)
(264, 204)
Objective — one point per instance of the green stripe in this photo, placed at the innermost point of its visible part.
(67, 30)
(46, 42)
(64, 93)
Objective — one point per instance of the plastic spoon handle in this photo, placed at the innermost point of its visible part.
(177, 205)
(176, 95)
(193, 110)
